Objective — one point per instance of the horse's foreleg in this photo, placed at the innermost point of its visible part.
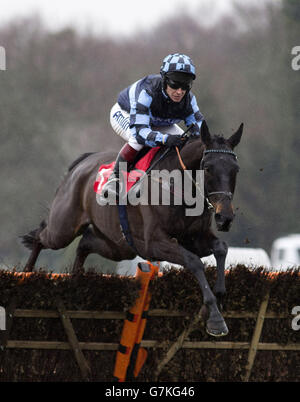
(173, 252)
(215, 324)
(220, 250)
(207, 245)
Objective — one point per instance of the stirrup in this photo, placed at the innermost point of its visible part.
(112, 186)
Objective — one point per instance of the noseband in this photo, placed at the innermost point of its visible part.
(227, 194)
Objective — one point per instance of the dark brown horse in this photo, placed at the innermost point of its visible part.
(159, 232)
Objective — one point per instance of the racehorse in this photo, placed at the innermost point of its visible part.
(158, 232)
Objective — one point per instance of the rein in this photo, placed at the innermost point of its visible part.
(209, 204)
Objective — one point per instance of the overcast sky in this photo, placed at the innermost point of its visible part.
(112, 16)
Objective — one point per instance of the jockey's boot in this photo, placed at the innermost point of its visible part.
(113, 186)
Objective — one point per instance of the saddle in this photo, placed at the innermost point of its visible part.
(139, 166)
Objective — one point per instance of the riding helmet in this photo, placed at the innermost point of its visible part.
(178, 63)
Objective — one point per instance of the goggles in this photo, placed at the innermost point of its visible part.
(185, 86)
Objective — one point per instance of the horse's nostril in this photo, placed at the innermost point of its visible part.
(223, 222)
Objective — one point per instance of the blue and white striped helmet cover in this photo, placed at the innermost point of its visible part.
(178, 62)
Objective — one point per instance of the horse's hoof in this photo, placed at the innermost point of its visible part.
(216, 328)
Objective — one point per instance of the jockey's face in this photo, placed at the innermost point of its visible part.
(175, 95)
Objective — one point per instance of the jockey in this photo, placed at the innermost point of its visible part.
(147, 112)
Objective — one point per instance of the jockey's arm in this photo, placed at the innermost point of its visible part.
(195, 117)
(140, 122)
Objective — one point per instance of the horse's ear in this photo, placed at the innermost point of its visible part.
(236, 137)
(205, 134)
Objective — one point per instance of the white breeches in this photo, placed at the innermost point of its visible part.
(119, 120)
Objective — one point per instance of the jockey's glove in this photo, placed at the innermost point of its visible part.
(194, 131)
(174, 140)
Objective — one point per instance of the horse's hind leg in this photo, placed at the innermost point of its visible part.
(54, 235)
(94, 243)
(82, 252)
(31, 241)
(88, 244)
(29, 266)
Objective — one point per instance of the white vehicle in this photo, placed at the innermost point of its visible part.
(251, 257)
(285, 252)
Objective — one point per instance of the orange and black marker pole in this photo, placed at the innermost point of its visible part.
(130, 356)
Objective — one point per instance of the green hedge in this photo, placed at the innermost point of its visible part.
(175, 290)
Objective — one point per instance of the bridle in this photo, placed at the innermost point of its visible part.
(227, 194)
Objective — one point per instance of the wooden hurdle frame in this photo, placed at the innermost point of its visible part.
(78, 347)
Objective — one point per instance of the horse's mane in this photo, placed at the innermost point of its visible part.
(79, 159)
(217, 138)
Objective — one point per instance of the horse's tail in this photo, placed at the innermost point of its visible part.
(31, 238)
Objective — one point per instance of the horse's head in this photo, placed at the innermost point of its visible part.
(220, 169)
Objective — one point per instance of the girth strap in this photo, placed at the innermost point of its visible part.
(123, 216)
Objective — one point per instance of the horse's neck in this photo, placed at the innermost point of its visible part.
(192, 153)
